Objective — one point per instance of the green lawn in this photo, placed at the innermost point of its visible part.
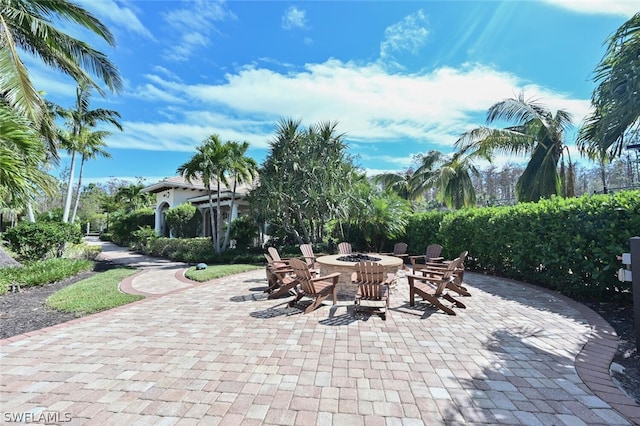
(217, 271)
(94, 294)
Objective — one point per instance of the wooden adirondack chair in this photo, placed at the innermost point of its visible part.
(280, 278)
(275, 255)
(399, 250)
(316, 288)
(438, 269)
(309, 257)
(373, 287)
(344, 248)
(432, 254)
(433, 288)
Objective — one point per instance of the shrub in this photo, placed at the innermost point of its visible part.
(37, 241)
(142, 239)
(123, 225)
(568, 245)
(44, 272)
(244, 230)
(184, 221)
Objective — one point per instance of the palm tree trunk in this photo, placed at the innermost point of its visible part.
(218, 221)
(30, 214)
(67, 202)
(75, 206)
(211, 220)
(225, 244)
(603, 175)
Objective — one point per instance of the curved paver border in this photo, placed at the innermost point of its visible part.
(593, 362)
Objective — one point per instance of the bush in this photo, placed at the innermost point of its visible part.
(44, 272)
(123, 225)
(40, 240)
(244, 230)
(184, 221)
(142, 239)
(200, 250)
(568, 245)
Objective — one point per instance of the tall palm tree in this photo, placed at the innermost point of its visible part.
(22, 155)
(78, 120)
(411, 183)
(615, 102)
(132, 196)
(92, 145)
(27, 26)
(209, 164)
(453, 180)
(241, 169)
(536, 131)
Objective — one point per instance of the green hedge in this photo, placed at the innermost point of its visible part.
(200, 250)
(42, 240)
(568, 245)
(123, 225)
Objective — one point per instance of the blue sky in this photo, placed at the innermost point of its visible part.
(400, 78)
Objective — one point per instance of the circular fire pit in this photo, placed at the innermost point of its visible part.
(358, 257)
(333, 263)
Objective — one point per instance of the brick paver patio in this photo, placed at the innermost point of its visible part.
(222, 353)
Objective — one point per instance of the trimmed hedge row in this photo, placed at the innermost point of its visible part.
(568, 245)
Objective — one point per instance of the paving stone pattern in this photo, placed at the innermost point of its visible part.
(222, 353)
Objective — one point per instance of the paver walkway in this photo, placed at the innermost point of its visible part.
(222, 353)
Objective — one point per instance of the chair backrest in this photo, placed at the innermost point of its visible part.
(344, 248)
(301, 270)
(274, 254)
(433, 250)
(448, 275)
(369, 277)
(307, 252)
(369, 272)
(400, 248)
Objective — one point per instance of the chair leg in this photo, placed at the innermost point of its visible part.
(317, 301)
(435, 302)
(454, 301)
(458, 289)
(283, 289)
(296, 299)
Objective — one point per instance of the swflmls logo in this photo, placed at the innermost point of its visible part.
(43, 417)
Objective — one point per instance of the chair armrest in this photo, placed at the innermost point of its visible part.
(333, 277)
(416, 258)
(435, 259)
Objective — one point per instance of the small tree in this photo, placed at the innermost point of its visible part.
(183, 221)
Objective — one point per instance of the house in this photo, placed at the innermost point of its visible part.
(174, 191)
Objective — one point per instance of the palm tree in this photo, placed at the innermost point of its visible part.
(91, 146)
(410, 184)
(208, 164)
(132, 196)
(22, 155)
(241, 169)
(26, 26)
(78, 121)
(536, 131)
(453, 180)
(615, 102)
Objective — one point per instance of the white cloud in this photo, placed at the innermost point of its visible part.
(193, 25)
(626, 8)
(117, 14)
(294, 18)
(410, 35)
(427, 110)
